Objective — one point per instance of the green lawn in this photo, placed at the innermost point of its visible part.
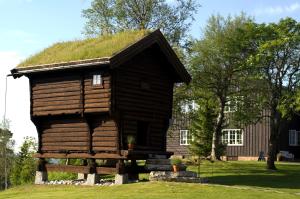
(227, 180)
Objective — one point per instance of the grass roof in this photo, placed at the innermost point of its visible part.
(102, 46)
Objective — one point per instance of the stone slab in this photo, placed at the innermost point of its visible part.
(181, 176)
(159, 161)
(92, 179)
(121, 179)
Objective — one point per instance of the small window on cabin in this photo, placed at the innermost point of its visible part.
(294, 138)
(97, 80)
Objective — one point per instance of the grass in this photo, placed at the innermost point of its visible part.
(102, 46)
(227, 180)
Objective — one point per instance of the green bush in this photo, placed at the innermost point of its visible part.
(61, 176)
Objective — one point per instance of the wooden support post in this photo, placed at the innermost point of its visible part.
(133, 173)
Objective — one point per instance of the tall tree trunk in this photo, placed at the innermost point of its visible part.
(274, 138)
(216, 136)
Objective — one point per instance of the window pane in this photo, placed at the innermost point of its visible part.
(97, 79)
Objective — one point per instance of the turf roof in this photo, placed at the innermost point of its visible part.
(103, 46)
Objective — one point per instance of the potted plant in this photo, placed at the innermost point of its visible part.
(130, 142)
(176, 162)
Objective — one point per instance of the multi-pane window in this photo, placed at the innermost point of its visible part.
(97, 80)
(232, 137)
(232, 103)
(189, 106)
(294, 138)
(185, 137)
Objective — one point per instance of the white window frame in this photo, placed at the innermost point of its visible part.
(227, 140)
(294, 137)
(185, 138)
(189, 106)
(97, 80)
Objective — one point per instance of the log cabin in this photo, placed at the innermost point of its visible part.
(87, 97)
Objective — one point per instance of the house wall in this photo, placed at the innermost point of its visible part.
(144, 93)
(64, 135)
(56, 95)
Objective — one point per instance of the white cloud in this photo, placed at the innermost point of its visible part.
(277, 10)
(17, 98)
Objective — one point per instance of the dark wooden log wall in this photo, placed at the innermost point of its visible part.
(105, 134)
(56, 95)
(97, 98)
(144, 93)
(65, 135)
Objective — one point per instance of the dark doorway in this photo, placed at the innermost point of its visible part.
(142, 133)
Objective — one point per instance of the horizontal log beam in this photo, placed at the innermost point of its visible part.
(79, 155)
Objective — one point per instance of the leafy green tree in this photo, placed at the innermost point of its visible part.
(277, 64)
(6, 153)
(110, 16)
(219, 67)
(24, 166)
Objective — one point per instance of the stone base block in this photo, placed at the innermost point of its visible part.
(121, 179)
(92, 179)
(82, 176)
(158, 167)
(40, 177)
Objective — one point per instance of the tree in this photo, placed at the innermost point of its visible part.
(277, 63)
(6, 153)
(24, 165)
(218, 67)
(111, 16)
(202, 127)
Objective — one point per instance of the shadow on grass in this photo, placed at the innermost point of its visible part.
(252, 174)
(267, 181)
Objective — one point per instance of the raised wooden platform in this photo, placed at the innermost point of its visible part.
(79, 169)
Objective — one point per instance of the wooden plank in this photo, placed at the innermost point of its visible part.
(57, 107)
(58, 148)
(105, 128)
(104, 144)
(65, 144)
(100, 91)
(106, 170)
(54, 86)
(57, 90)
(97, 105)
(101, 134)
(67, 168)
(104, 148)
(65, 139)
(55, 103)
(53, 95)
(97, 96)
(66, 124)
(68, 134)
(112, 139)
(97, 100)
(92, 110)
(65, 130)
(60, 112)
(54, 99)
(79, 155)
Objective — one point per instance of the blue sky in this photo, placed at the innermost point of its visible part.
(28, 26)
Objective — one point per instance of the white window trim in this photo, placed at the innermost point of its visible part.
(186, 138)
(296, 134)
(97, 80)
(228, 138)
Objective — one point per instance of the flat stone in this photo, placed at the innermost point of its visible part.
(121, 179)
(181, 176)
(156, 167)
(92, 179)
(81, 176)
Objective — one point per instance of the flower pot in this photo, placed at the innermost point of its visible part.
(130, 146)
(175, 168)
